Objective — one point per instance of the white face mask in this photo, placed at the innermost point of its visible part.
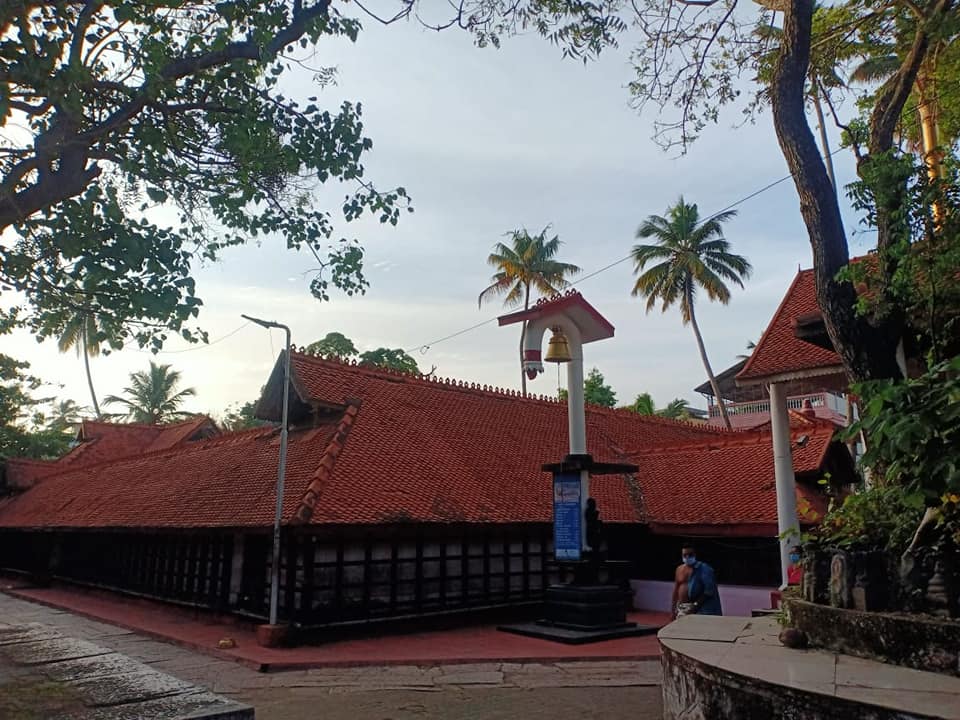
(690, 560)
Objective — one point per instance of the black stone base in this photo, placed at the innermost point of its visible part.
(571, 636)
(585, 606)
(578, 614)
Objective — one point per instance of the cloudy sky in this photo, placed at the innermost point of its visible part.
(486, 141)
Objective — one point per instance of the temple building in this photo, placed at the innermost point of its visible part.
(405, 496)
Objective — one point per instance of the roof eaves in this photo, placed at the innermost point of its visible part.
(792, 375)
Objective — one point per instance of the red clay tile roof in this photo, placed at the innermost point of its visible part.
(403, 448)
(101, 441)
(780, 353)
(729, 481)
(227, 481)
(22, 473)
(440, 451)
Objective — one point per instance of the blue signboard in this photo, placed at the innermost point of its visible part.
(566, 516)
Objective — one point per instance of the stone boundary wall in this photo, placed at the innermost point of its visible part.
(695, 690)
(922, 643)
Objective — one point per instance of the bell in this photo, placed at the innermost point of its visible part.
(558, 349)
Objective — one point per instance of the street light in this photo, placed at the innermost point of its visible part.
(275, 566)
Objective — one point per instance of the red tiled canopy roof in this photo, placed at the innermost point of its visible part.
(780, 354)
(395, 448)
(729, 481)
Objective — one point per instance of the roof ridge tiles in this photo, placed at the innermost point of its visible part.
(324, 470)
(429, 379)
(743, 438)
(495, 391)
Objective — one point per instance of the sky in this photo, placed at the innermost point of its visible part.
(486, 141)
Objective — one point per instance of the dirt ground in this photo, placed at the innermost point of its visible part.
(583, 703)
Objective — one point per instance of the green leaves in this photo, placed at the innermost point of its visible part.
(912, 428)
(390, 358)
(173, 104)
(596, 391)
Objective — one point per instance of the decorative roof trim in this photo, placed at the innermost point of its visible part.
(793, 375)
(308, 502)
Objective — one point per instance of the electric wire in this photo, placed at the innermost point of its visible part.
(426, 347)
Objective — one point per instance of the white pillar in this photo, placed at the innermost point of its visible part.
(788, 525)
(577, 418)
(576, 415)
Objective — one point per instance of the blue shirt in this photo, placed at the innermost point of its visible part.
(702, 589)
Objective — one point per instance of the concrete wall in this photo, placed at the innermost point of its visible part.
(736, 599)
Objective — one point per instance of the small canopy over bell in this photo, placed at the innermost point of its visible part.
(558, 349)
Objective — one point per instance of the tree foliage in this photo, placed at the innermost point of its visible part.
(913, 426)
(30, 426)
(153, 396)
(596, 391)
(391, 359)
(333, 345)
(119, 113)
(676, 409)
(527, 263)
(240, 416)
(690, 256)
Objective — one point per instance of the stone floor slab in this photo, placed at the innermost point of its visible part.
(51, 650)
(706, 628)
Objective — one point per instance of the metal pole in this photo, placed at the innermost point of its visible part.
(281, 470)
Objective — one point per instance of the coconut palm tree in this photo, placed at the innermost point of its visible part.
(643, 405)
(676, 409)
(80, 332)
(527, 262)
(693, 256)
(152, 396)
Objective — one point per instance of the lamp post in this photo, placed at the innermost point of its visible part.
(281, 470)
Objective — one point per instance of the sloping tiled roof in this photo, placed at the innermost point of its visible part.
(101, 441)
(21, 473)
(780, 353)
(729, 481)
(407, 449)
(227, 481)
(449, 452)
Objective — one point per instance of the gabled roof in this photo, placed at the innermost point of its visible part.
(448, 451)
(780, 354)
(591, 324)
(99, 441)
(394, 448)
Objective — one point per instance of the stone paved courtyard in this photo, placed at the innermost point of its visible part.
(591, 689)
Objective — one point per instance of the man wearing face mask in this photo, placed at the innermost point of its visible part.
(695, 587)
(795, 569)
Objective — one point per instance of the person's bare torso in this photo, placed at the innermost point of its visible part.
(680, 578)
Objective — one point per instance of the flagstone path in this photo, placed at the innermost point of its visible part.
(479, 691)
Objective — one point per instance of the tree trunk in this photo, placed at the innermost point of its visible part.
(706, 366)
(523, 337)
(867, 351)
(928, 112)
(86, 363)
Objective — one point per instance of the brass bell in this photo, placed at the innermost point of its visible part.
(558, 349)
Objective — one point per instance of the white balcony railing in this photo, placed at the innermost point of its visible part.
(825, 403)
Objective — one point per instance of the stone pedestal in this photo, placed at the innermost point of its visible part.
(585, 607)
(575, 614)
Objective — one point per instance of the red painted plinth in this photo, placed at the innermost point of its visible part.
(272, 636)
